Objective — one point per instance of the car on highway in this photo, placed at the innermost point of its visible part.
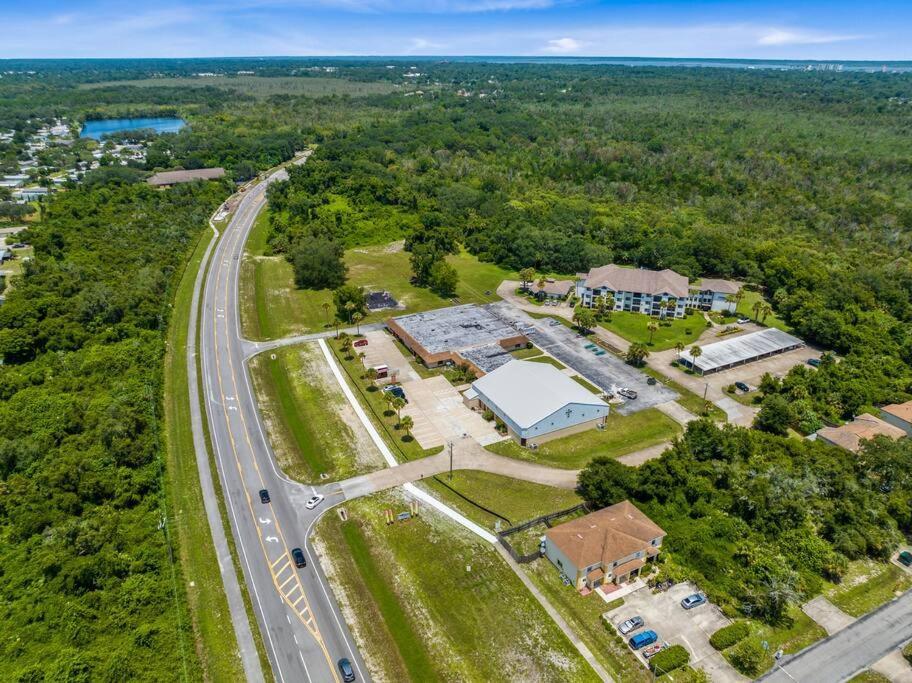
(627, 393)
(741, 386)
(345, 668)
(313, 502)
(693, 600)
(631, 625)
(264, 496)
(905, 558)
(298, 556)
(643, 639)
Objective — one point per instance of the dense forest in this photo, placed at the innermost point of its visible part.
(797, 183)
(88, 589)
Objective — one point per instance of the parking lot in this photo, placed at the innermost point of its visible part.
(675, 625)
(607, 371)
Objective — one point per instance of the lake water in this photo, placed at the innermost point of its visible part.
(97, 128)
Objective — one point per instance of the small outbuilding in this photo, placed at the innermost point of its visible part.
(536, 401)
(899, 415)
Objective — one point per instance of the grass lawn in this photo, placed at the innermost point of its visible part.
(272, 307)
(307, 416)
(429, 601)
(13, 267)
(746, 308)
(211, 627)
(869, 676)
(526, 353)
(796, 632)
(584, 614)
(550, 360)
(261, 86)
(632, 327)
(867, 585)
(623, 434)
(403, 446)
(688, 399)
(587, 385)
(512, 499)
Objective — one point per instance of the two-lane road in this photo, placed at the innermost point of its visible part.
(303, 632)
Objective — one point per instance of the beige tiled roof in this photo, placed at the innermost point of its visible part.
(865, 426)
(606, 535)
(711, 284)
(556, 287)
(638, 280)
(901, 410)
(628, 567)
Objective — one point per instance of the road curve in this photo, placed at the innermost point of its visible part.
(303, 631)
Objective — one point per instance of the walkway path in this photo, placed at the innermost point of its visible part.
(677, 412)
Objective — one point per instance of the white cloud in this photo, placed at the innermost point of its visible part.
(563, 46)
(419, 44)
(779, 36)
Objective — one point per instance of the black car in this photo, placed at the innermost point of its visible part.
(741, 386)
(264, 496)
(298, 556)
(345, 668)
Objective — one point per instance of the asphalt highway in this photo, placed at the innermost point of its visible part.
(303, 631)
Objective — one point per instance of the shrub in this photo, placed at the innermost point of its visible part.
(749, 657)
(688, 331)
(670, 659)
(488, 414)
(907, 652)
(528, 345)
(729, 635)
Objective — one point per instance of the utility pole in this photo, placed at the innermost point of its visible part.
(705, 389)
(450, 444)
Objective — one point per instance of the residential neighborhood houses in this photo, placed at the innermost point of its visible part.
(654, 292)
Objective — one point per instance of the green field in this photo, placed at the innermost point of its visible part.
(869, 676)
(632, 327)
(867, 585)
(746, 308)
(430, 601)
(623, 434)
(587, 385)
(796, 632)
(212, 629)
(513, 499)
(310, 86)
(550, 360)
(307, 416)
(688, 399)
(272, 307)
(584, 614)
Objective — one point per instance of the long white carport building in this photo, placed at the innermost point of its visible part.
(536, 401)
(740, 350)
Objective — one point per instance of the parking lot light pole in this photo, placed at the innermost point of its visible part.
(450, 444)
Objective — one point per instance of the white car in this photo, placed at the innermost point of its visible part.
(743, 321)
(313, 502)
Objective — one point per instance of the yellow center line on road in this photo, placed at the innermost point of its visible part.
(309, 624)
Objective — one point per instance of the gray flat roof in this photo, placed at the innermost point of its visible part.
(456, 328)
(488, 357)
(743, 349)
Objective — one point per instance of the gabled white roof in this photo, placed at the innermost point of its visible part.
(529, 392)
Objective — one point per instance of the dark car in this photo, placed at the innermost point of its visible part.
(905, 558)
(692, 601)
(814, 362)
(264, 496)
(396, 391)
(741, 386)
(345, 668)
(643, 639)
(298, 556)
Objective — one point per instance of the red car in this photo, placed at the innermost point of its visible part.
(361, 342)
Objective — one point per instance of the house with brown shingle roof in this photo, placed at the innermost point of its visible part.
(653, 292)
(899, 415)
(863, 428)
(611, 545)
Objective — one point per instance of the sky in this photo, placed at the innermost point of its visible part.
(772, 29)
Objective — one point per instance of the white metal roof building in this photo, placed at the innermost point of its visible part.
(740, 350)
(536, 400)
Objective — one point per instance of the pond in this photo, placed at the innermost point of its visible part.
(99, 127)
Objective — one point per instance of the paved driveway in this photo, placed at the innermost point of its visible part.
(608, 372)
(663, 613)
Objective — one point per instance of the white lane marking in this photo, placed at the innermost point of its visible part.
(272, 539)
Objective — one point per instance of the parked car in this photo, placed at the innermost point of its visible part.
(627, 393)
(313, 502)
(905, 558)
(631, 625)
(651, 381)
(345, 668)
(298, 556)
(552, 323)
(653, 650)
(396, 391)
(741, 386)
(692, 601)
(360, 342)
(743, 321)
(643, 639)
(264, 496)
(814, 362)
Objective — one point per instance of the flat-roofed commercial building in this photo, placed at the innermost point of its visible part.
(536, 401)
(863, 428)
(736, 351)
(470, 334)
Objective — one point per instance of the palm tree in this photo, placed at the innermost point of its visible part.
(765, 310)
(346, 346)
(663, 310)
(326, 306)
(738, 296)
(679, 346)
(732, 301)
(357, 317)
(653, 327)
(756, 308)
(351, 307)
(398, 403)
(609, 305)
(407, 423)
(637, 353)
(526, 275)
(372, 376)
(695, 352)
